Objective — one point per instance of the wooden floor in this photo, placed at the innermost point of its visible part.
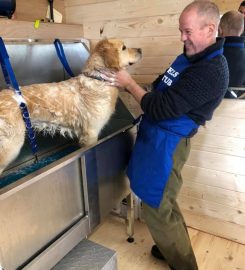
(212, 253)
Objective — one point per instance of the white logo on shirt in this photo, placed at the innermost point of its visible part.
(172, 73)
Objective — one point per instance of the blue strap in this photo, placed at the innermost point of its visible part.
(62, 57)
(234, 44)
(215, 53)
(12, 82)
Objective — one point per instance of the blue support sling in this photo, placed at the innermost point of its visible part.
(12, 83)
(62, 57)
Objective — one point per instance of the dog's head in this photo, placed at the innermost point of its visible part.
(116, 55)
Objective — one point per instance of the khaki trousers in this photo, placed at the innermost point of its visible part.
(166, 223)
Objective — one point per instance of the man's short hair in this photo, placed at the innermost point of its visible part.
(242, 4)
(206, 9)
(232, 23)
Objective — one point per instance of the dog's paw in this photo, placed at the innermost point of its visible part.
(88, 141)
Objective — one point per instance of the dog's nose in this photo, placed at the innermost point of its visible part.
(139, 50)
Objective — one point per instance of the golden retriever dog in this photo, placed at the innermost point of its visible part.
(78, 107)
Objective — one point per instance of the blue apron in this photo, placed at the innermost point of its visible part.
(151, 162)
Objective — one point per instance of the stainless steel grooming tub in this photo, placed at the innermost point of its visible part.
(45, 212)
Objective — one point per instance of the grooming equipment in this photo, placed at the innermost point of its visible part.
(48, 208)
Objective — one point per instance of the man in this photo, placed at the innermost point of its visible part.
(241, 9)
(184, 98)
(231, 27)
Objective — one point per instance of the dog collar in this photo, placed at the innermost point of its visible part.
(94, 76)
(99, 74)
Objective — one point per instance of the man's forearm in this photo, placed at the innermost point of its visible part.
(136, 91)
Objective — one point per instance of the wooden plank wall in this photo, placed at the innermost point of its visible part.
(11, 29)
(226, 5)
(213, 194)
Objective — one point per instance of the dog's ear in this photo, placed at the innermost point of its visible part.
(109, 54)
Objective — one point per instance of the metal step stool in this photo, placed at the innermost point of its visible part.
(88, 255)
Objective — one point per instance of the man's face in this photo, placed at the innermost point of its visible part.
(242, 10)
(195, 34)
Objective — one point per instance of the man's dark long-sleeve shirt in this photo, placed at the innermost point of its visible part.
(196, 94)
(235, 57)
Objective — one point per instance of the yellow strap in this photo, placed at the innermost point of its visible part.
(36, 24)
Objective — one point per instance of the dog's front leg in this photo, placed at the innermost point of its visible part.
(88, 139)
(9, 152)
(11, 140)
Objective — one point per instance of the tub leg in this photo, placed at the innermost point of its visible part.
(130, 217)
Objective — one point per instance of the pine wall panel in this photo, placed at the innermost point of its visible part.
(226, 5)
(11, 29)
(213, 193)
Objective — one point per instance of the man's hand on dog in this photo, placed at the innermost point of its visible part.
(121, 79)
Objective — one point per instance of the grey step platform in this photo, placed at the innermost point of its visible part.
(88, 255)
